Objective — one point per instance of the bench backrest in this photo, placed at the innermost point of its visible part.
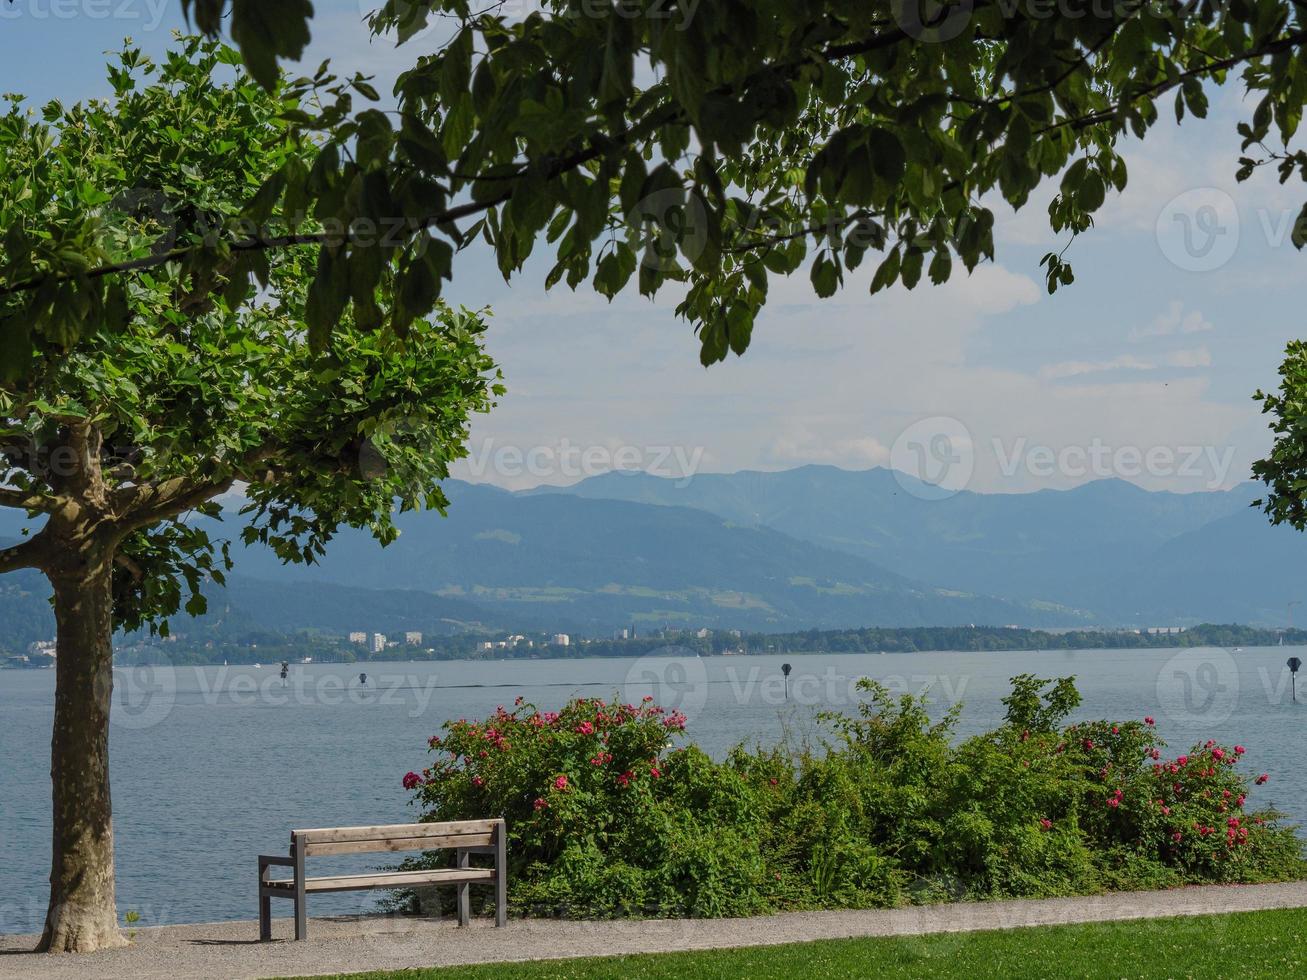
(397, 837)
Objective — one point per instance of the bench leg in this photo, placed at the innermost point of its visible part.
(464, 906)
(501, 874)
(265, 902)
(265, 918)
(301, 912)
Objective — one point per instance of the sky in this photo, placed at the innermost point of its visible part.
(1144, 369)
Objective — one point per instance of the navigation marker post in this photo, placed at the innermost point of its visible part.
(1294, 663)
(785, 669)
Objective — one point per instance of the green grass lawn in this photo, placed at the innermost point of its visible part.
(1249, 944)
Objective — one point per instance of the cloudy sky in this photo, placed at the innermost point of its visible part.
(1185, 294)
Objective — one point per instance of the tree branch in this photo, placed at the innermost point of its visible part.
(27, 500)
(133, 567)
(150, 503)
(156, 502)
(29, 554)
(662, 116)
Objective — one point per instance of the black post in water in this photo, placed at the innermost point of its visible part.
(1294, 664)
(785, 669)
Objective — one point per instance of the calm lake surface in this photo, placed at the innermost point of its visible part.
(214, 765)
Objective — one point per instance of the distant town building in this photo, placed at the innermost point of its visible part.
(562, 640)
(358, 637)
(413, 638)
(485, 645)
(704, 633)
(378, 642)
(621, 634)
(42, 648)
(1166, 629)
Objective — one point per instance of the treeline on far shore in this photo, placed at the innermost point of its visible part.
(264, 646)
(921, 639)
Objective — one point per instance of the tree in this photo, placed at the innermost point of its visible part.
(1284, 471)
(716, 144)
(194, 386)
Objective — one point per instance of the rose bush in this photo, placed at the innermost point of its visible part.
(609, 816)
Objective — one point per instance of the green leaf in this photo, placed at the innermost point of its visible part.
(266, 30)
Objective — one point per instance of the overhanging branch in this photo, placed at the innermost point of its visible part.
(664, 115)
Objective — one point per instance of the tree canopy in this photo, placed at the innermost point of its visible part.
(197, 381)
(714, 144)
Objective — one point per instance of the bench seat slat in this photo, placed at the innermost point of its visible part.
(326, 835)
(373, 845)
(388, 879)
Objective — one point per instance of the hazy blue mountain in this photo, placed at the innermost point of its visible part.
(1236, 569)
(25, 612)
(252, 603)
(554, 560)
(1073, 547)
(806, 548)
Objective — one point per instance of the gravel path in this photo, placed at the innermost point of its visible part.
(229, 950)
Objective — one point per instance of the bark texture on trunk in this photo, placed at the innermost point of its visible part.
(82, 915)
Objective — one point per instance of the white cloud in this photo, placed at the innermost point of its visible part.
(1174, 320)
(1196, 357)
(1072, 369)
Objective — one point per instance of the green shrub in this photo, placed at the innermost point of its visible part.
(608, 816)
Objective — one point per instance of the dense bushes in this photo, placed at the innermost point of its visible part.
(607, 818)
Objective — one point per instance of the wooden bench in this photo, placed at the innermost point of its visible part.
(464, 837)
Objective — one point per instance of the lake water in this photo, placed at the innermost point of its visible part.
(214, 765)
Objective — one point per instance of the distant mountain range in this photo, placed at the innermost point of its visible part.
(814, 547)
(544, 561)
(1108, 548)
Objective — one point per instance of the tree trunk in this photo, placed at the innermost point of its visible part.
(82, 914)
